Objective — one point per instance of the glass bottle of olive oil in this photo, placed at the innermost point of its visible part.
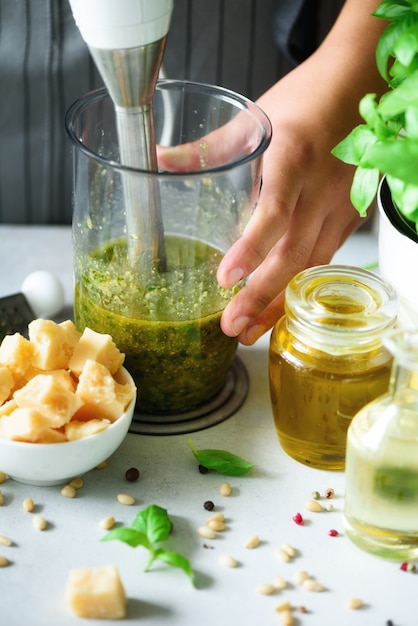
(381, 499)
(327, 360)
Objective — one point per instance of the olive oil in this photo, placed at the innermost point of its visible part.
(326, 359)
(381, 499)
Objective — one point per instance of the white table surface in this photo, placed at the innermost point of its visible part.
(262, 502)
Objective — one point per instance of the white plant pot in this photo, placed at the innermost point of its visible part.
(398, 259)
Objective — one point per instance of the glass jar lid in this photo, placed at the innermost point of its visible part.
(340, 308)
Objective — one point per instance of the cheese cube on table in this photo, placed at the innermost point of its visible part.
(96, 593)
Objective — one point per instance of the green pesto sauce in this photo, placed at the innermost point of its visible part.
(167, 325)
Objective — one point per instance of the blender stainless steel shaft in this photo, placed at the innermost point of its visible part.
(126, 39)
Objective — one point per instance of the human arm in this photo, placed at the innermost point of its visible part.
(304, 212)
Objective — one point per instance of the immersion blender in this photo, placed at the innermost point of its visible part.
(126, 39)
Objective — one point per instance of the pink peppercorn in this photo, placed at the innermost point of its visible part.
(298, 519)
(333, 532)
(404, 566)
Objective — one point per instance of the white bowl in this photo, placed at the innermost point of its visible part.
(46, 464)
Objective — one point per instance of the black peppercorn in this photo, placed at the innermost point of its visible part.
(208, 505)
(203, 469)
(132, 474)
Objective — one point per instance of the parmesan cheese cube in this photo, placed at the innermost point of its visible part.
(78, 430)
(97, 347)
(96, 593)
(53, 343)
(101, 396)
(51, 394)
(6, 383)
(23, 425)
(16, 353)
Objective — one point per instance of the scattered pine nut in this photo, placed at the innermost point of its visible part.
(252, 542)
(101, 465)
(329, 506)
(107, 523)
(286, 617)
(216, 525)
(68, 491)
(124, 498)
(265, 589)
(283, 606)
(225, 489)
(279, 583)
(4, 562)
(228, 561)
(1, 499)
(220, 517)
(300, 577)
(39, 522)
(5, 541)
(310, 584)
(290, 550)
(411, 567)
(77, 483)
(28, 505)
(314, 506)
(355, 603)
(281, 555)
(3, 477)
(206, 532)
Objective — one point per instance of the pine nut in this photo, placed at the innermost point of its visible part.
(281, 555)
(39, 522)
(355, 603)
(3, 477)
(77, 483)
(252, 542)
(228, 561)
(283, 606)
(68, 491)
(312, 585)
(28, 505)
(314, 506)
(265, 589)
(220, 517)
(279, 583)
(101, 465)
(286, 617)
(124, 498)
(107, 523)
(3, 561)
(225, 489)
(290, 550)
(216, 525)
(206, 532)
(5, 541)
(300, 577)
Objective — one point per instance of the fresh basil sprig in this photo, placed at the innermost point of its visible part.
(151, 527)
(221, 461)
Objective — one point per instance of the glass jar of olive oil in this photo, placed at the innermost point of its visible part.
(327, 359)
(381, 494)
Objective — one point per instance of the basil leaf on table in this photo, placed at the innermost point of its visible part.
(221, 461)
(151, 527)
